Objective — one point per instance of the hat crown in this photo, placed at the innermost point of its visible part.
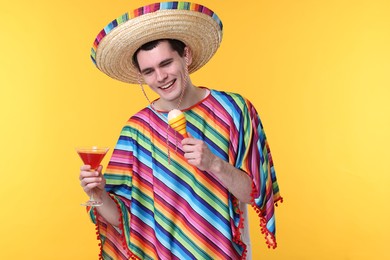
(195, 25)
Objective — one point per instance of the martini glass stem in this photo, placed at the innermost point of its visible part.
(92, 201)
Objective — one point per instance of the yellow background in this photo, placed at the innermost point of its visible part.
(317, 71)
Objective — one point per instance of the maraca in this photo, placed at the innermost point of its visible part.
(177, 121)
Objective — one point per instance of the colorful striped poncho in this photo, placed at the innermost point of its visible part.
(172, 210)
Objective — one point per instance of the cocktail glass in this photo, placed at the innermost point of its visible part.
(93, 156)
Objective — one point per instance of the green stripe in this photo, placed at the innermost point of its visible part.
(209, 131)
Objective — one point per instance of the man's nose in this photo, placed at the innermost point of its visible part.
(161, 75)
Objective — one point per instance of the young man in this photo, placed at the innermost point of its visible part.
(165, 196)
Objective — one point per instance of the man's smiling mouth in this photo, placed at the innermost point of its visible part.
(168, 85)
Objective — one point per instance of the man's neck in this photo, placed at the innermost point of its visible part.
(191, 96)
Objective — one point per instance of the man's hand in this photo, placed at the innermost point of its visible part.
(235, 180)
(92, 180)
(198, 153)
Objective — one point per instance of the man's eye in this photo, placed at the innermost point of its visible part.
(166, 63)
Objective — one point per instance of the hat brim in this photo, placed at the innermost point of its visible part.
(199, 28)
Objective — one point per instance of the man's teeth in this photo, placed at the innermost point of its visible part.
(167, 86)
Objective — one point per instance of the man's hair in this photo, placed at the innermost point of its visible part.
(176, 45)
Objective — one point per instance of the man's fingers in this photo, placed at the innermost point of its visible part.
(88, 174)
(90, 182)
(85, 168)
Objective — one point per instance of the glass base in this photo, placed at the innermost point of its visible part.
(92, 203)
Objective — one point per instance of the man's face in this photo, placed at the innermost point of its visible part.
(164, 71)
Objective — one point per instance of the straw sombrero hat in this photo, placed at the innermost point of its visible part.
(193, 24)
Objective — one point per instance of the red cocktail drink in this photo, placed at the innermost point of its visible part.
(92, 157)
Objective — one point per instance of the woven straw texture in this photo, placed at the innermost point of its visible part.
(201, 32)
